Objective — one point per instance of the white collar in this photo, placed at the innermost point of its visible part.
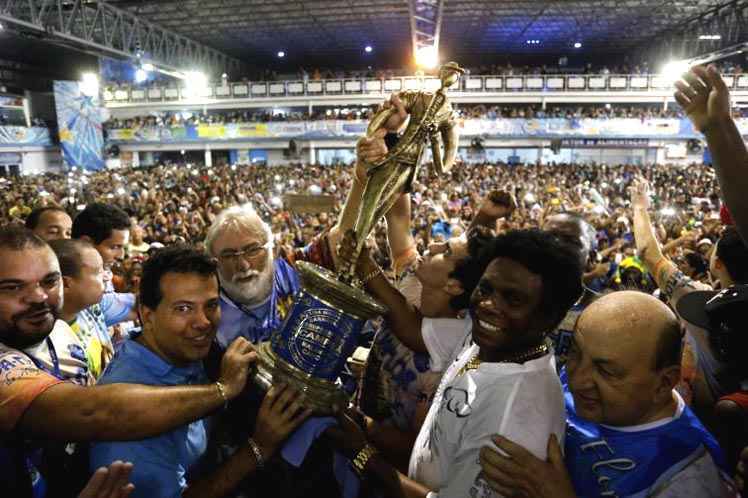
(656, 423)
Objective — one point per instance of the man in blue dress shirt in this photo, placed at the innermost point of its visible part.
(180, 311)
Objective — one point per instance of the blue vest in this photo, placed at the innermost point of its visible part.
(604, 461)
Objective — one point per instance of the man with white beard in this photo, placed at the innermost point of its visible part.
(256, 287)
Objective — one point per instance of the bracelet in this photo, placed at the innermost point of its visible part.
(371, 276)
(222, 392)
(257, 453)
(362, 458)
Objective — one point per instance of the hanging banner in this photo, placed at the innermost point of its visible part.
(79, 119)
(615, 128)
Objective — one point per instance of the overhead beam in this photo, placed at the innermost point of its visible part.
(425, 23)
(106, 30)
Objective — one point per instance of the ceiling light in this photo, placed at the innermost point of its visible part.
(140, 75)
(673, 70)
(89, 84)
(368, 49)
(427, 57)
(710, 37)
(281, 54)
(578, 45)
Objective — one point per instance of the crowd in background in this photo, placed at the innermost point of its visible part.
(466, 111)
(176, 203)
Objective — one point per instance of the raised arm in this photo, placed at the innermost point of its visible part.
(706, 100)
(644, 233)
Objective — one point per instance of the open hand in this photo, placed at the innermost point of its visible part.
(639, 191)
(704, 96)
(281, 412)
(518, 472)
(109, 482)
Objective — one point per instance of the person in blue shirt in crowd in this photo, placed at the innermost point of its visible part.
(107, 228)
(629, 432)
(180, 311)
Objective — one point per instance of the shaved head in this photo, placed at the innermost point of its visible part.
(625, 359)
(639, 322)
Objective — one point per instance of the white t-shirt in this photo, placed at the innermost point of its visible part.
(523, 403)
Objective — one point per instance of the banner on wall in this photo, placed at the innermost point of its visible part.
(20, 135)
(486, 128)
(79, 119)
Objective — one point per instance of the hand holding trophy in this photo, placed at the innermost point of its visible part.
(321, 330)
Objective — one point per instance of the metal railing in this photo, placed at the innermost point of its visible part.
(367, 86)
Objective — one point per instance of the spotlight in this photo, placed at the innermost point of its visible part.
(140, 75)
(281, 54)
(195, 82)
(578, 45)
(672, 71)
(368, 49)
(89, 84)
(427, 57)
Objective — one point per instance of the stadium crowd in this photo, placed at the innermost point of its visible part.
(470, 111)
(530, 308)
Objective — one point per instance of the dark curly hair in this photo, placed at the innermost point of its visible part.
(173, 259)
(543, 254)
(98, 220)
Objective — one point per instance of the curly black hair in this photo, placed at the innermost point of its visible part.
(98, 220)
(173, 259)
(543, 254)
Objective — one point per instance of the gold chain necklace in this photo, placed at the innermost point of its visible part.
(531, 354)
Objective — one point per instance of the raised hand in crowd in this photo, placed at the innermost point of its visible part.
(706, 100)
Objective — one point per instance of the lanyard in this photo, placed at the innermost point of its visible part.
(53, 357)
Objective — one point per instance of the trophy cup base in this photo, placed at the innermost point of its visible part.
(324, 397)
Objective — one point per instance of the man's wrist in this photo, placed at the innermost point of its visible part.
(717, 126)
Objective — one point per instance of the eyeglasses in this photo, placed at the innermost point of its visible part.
(251, 252)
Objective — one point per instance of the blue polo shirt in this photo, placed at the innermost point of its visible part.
(162, 464)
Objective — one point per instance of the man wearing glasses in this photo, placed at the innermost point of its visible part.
(256, 287)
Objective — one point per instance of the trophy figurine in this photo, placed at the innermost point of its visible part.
(310, 349)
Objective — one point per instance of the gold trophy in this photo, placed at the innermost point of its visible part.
(321, 330)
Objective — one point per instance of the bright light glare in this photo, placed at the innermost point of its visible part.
(1, 26)
(148, 67)
(281, 54)
(673, 70)
(89, 84)
(578, 45)
(427, 57)
(195, 82)
(368, 49)
(710, 37)
(141, 75)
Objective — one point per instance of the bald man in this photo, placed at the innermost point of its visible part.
(628, 432)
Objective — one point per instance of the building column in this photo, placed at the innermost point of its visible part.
(312, 153)
(208, 157)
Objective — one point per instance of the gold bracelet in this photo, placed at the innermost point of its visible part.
(259, 458)
(371, 276)
(222, 391)
(362, 458)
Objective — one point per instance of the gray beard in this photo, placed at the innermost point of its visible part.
(254, 292)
